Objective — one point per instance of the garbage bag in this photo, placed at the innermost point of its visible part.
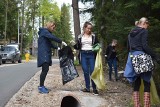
(68, 69)
(98, 74)
(153, 94)
(66, 51)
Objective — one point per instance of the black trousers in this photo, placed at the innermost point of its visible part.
(137, 84)
(45, 69)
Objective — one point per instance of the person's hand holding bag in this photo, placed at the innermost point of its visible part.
(58, 48)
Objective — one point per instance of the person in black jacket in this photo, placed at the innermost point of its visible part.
(87, 57)
(137, 40)
(44, 59)
(111, 57)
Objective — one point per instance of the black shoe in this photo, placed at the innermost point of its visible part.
(85, 90)
(95, 92)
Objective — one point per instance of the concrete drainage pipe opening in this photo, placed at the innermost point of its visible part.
(69, 101)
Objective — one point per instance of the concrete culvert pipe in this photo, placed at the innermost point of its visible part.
(70, 101)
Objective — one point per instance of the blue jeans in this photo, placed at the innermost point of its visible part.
(114, 63)
(88, 62)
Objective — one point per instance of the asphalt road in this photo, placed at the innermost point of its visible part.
(14, 76)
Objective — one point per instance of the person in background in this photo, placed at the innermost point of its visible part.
(44, 59)
(137, 44)
(111, 57)
(87, 57)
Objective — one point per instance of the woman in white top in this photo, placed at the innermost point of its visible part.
(87, 57)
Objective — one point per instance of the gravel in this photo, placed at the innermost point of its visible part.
(117, 94)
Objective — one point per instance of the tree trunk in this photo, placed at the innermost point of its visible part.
(76, 19)
(33, 32)
(6, 18)
(21, 48)
(42, 21)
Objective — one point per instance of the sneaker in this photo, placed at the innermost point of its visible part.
(43, 89)
(47, 89)
(85, 90)
(95, 92)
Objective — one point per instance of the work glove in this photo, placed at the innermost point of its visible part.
(58, 48)
(63, 43)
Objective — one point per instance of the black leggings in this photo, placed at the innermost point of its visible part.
(137, 84)
(45, 69)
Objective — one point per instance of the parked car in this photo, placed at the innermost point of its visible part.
(10, 53)
(16, 45)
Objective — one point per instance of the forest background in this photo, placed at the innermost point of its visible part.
(112, 19)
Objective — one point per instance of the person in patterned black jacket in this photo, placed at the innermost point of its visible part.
(44, 59)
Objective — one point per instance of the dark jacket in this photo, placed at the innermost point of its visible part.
(78, 45)
(111, 52)
(138, 41)
(45, 45)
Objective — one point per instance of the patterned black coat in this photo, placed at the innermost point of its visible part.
(45, 45)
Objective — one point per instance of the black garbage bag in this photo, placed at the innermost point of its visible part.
(68, 70)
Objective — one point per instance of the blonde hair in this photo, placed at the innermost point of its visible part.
(143, 20)
(114, 41)
(49, 23)
(136, 23)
